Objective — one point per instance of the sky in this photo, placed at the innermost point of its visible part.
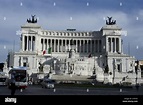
(82, 15)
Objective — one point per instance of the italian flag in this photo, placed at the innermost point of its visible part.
(48, 51)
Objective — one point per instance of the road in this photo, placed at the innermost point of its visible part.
(37, 90)
(35, 93)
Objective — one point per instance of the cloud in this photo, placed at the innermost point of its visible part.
(58, 18)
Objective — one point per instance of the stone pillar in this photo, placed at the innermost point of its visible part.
(51, 43)
(112, 45)
(83, 46)
(65, 45)
(91, 46)
(86, 46)
(120, 46)
(23, 42)
(58, 45)
(79, 46)
(107, 44)
(31, 43)
(34, 43)
(54, 45)
(115, 44)
(61, 45)
(43, 44)
(27, 43)
(76, 46)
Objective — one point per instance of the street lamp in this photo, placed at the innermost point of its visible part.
(136, 71)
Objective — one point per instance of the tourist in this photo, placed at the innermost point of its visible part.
(137, 87)
(13, 87)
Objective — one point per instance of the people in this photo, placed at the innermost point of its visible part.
(137, 86)
(13, 86)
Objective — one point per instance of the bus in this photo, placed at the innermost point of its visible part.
(3, 79)
(20, 76)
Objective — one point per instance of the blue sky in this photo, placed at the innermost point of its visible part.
(87, 15)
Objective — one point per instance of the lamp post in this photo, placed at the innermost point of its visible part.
(136, 71)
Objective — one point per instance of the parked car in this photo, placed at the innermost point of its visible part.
(48, 83)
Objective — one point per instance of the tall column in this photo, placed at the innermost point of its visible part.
(111, 44)
(107, 44)
(120, 45)
(83, 46)
(54, 45)
(61, 45)
(65, 45)
(33, 43)
(91, 46)
(27, 43)
(58, 45)
(48, 42)
(87, 46)
(115, 44)
(43, 44)
(79, 46)
(30, 43)
(23, 42)
(51, 43)
(76, 46)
